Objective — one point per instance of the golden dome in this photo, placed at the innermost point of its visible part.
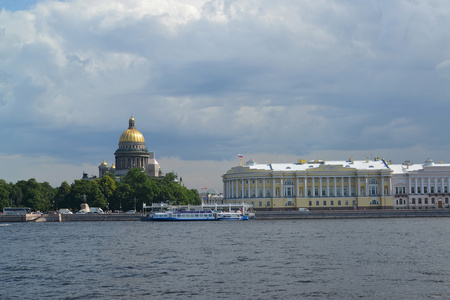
(131, 134)
(104, 163)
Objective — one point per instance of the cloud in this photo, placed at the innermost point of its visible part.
(208, 79)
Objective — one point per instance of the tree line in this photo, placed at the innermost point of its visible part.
(130, 192)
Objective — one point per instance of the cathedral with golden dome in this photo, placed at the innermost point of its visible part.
(132, 153)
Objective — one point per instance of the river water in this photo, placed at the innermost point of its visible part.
(277, 259)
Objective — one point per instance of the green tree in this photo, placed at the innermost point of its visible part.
(60, 197)
(4, 195)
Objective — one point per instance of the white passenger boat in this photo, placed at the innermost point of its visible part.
(165, 212)
(189, 213)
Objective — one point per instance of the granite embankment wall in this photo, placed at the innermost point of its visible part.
(68, 218)
(351, 214)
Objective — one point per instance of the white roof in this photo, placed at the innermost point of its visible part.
(357, 164)
(403, 168)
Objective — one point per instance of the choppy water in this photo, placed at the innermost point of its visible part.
(292, 259)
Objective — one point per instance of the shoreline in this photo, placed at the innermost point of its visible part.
(260, 215)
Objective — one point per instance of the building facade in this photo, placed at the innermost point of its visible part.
(421, 186)
(314, 185)
(132, 153)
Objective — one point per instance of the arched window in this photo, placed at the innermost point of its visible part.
(374, 202)
(373, 181)
(289, 182)
(289, 203)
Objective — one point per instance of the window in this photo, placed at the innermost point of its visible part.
(317, 203)
(373, 181)
(260, 203)
(268, 192)
(413, 201)
(339, 202)
(316, 192)
(253, 181)
(374, 202)
(324, 192)
(289, 182)
(268, 204)
(331, 202)
(309, 192)
(289, 203)
(289, 191)
(418, 190)
(425, 189)
(310, 203)
(338, 179)
(373, 190)
(268, 181)
(432, 189)
(324, 179)
(330, 192)
(324, 202)
(260, 181)
(260, 193)
(346, 202)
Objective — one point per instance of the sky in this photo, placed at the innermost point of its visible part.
(275, 81)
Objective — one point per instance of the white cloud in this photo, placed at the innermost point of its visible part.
(209, 78)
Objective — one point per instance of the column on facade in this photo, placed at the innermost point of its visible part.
(305, 189)
(335, 186)
(297, 181)
(320, 186)
(366, 186)
(328, 187)
(442, 184)
(342, 186)
(349, 186)
(249, 186)
(313, 186)
(273, 188)
(282, 187)
(415, 185)
(256, 188)
(357, 181)
(264, 187)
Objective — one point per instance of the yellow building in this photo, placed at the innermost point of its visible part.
(314, 185)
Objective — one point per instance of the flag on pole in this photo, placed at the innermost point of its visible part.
(240, 155)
